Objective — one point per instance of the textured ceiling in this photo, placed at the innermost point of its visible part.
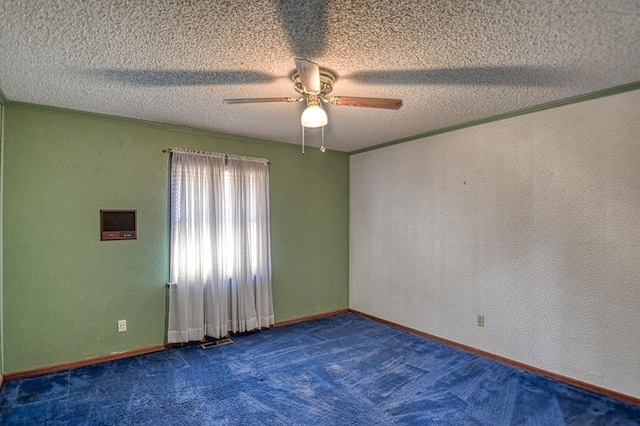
(450, 61)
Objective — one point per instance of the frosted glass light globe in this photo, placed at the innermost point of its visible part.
(313, 117)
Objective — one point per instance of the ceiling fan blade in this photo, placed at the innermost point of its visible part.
(259, 100)
(366, 102)
(309, 74)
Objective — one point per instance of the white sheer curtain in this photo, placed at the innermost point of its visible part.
(220, 270)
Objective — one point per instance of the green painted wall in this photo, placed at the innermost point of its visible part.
(64, 289)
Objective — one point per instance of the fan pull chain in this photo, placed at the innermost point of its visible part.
(322, 147)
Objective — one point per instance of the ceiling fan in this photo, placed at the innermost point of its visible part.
(314, 83)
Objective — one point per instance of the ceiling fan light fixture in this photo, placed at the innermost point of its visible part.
(314, 117)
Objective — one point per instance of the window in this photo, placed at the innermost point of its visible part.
(219, 245)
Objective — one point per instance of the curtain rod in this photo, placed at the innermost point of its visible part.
(217, 154)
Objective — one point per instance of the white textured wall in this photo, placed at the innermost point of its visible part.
(533, 221)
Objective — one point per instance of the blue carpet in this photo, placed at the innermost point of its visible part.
(341, 370)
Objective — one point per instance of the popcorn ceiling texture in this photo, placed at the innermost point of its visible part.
(532, 221)
(450, 61)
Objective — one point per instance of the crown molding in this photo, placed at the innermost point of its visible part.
(184, 129)
(139, 122)
(549, 105)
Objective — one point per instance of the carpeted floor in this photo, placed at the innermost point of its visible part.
(339, 370)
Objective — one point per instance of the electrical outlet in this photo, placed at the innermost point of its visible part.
(480, 320)
(122, 326)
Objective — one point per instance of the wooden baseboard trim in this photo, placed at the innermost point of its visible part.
(1, 381)
(149, 349)
(23, 374)
(583, 385)
(310, 317)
